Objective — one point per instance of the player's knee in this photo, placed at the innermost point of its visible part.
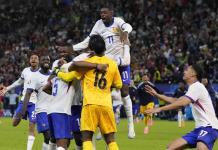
(87, 135)
(125, 90)
(201, 146)
(78, 138)
(31, 128)
(52, 140)
(109, 138)
(46, 137)
(170, 147)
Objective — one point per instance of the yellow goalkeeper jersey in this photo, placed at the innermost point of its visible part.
(97, 85)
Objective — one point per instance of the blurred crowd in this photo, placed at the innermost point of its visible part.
(167, 34)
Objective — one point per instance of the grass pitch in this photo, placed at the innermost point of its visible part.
(14, 138)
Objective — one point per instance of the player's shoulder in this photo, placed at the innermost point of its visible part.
(110, 60)
(81, 57)
(118, 20)
(100, 21)
(28, 70)
(197, 85)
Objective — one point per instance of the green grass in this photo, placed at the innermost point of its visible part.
(160, 135)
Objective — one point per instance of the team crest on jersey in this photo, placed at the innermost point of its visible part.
(115, 30)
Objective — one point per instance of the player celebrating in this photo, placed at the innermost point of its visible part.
(37, 81)
(146, 101)
(206, 124)
(115, 32)
(30, 112)
(65, 108)
(97, 108)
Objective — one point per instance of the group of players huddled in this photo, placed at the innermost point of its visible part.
(74, 97)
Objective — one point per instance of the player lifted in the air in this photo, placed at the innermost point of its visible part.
(24, 79)
(115, 32)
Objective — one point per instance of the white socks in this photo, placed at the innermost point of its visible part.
(78, 147)
(128, 108)
(93, 142)
(60, 148)
(30, 142)
(45, 146)
(52, 146)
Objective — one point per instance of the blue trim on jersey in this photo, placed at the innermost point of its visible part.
(110, 23)
(122, 25)
(34, 70)
(190, 98)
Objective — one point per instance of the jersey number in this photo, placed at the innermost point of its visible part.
(102, 82)
(55, 88)
(110, 39)
(125, 75)
(203, 133)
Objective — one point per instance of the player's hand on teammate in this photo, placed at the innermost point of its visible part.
(150, 90)
(102, 67)
(3, 90)
(152, 111)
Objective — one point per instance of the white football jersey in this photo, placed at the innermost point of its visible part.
(26, 75)
(116, 97)
(37, 81)
(202, 107)
(63, 94)
(111, 35)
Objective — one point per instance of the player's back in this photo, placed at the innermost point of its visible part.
(97, 85)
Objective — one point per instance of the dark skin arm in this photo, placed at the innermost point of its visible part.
(47, 88)
(77, 65)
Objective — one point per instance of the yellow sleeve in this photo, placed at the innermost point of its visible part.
(69, 76)
(117, 82)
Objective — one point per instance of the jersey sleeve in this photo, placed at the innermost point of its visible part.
(22, 74)
(193, 93)
(94, 29)
(82, 45)
(69, 76)
(117, 82)
(126, 27)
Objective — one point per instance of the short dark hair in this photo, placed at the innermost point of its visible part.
(198, 70)
(108, 6)
(33, 53)
(97, 44)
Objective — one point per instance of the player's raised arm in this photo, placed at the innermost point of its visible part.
(181, 102)
(17, 83)
(76, 65)
(165, 98)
